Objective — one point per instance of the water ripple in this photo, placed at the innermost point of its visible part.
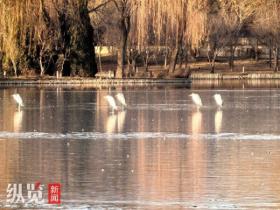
(136, 135)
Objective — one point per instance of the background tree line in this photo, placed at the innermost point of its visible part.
(46, 37)
(57, 37)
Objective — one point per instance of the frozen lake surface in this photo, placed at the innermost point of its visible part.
(161, 153)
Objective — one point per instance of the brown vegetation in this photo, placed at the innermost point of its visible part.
(57, 37)
(50, 36)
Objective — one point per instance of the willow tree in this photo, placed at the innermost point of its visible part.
(177, 24)
(74, 43)
(166, 21)
(267, 25)
(237, 16)
(223, 22)
(124, 9)
(114, 29)
(33, 33)
(172, 24)
(10, 32)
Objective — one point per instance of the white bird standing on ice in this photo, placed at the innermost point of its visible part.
(120, 97)
(112, 103)
(196, 100)
(18, 100)
(218, 100)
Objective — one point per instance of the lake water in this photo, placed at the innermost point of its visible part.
(160, 153)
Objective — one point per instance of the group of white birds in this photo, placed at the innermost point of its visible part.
(198, 102)
(195, 98)
(112, 102)
(121, 100)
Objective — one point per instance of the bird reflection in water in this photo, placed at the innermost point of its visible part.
(121, 121)
(111, 123)
(218, 121)
(196, 123)
(195, 155)
(18, 120)
(115, 122)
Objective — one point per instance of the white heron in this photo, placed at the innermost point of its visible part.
(196, 100)
(18, 100)
(111, 101)
(218, 100)
(120, 97)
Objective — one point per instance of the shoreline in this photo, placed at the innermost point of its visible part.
(236, 76)
(195, 76)
(72, 81)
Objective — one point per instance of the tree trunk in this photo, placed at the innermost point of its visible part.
(134, 66)
(132, 61)
(146, 66)
(270, 57)
(212, 67)
(121, 61)
(176, 52)
(212, 54)
(147, 61)
(100, 60)
(186, 58)
(60, 65)
(276, 59)
(15, 68)
(231, 58)
(124, 27)
(165, 58)
(188, 72)
(78, 39)
(42, 68)
(1, 63)
(86, 53)
(174, 59)
(129, 65)
(181, 58)
(257, 51)
(213, 63)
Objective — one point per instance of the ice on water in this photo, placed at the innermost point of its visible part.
(160, 153)
(136, 135)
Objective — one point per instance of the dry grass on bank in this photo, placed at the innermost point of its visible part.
(158, 71)
(249, 66)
